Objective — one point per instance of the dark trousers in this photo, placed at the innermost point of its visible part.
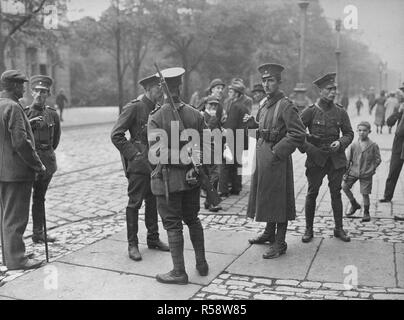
(14, 214)
(230, 174)
(396, 164)
(182, 206)
(315, 177)
(38, 203)
(213, 173)
(139, 190)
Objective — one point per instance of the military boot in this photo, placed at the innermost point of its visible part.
(178, 274)
(308, 235)
(354, 206)
(131, 226)
(267, 236)
(280, 246)
(198, 242)
(38, 216)
(366, 214)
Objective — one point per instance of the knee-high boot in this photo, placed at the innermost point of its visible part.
(132, 228)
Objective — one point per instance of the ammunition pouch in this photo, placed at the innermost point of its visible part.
(271, 136)
(192, 177)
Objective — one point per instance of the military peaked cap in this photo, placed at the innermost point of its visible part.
(173, 76)
(149, 81)
(13, 76)
(327, 80)
(271, 70)
(41, 82)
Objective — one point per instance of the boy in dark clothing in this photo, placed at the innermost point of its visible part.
(363, 159)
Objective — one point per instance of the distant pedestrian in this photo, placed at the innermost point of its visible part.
(380, 112)
(397, 153)
(61, 100)
(371, 97)
(359, 105)
(18, 165)
(45, 125)
(215, 89)
(392, 104)
(363, 159)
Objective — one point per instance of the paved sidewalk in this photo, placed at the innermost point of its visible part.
(85, 211)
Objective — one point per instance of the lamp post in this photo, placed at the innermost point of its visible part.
(300, 89)
(338, 23)
(386, 76)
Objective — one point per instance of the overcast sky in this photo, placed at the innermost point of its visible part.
(380, 25)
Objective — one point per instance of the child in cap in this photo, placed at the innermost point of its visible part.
(363, 159)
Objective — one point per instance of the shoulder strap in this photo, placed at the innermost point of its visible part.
(276, 114)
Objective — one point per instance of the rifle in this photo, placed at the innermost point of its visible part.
(211, 193)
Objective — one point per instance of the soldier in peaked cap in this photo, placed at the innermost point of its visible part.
(280, 132)
(178, 197)
(137, 168)
(19, 163)
(45, 124)
(330, 133)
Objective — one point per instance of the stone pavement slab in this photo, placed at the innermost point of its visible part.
(86, 283)
(293, 265)
(400, 263)
(224, 242)
(112, 255)
(373, 261)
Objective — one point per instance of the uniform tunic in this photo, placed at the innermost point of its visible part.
(272, 196)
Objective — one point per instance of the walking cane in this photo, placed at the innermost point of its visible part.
(46, 238)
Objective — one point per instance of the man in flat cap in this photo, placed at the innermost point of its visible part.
(19, 163)
(134, 153)
(214, 123)
(230, 175)
(173, 181)
(280, 131)
(397, 152)
(325, 148)
(45, 125)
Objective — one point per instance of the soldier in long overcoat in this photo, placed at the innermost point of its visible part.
(280, 131)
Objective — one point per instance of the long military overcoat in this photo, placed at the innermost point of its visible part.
(272, 196)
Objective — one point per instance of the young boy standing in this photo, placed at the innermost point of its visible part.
(363, 159)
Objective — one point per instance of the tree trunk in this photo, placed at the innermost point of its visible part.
(135, 77)
(185, 85)
(2, 57)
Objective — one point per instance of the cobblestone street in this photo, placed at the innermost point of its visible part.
(87, 198)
